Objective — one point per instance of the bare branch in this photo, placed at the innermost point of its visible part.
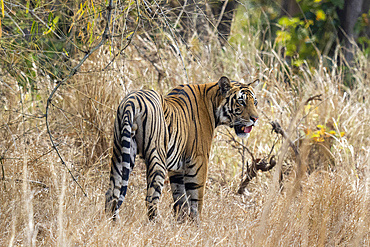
(278, 130)
(15, 23)
(315, 97)
(174, 39)
(257, 165)
(129, 38)
(220, 16)
(73, 72)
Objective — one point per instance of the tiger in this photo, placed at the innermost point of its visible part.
(173, 134)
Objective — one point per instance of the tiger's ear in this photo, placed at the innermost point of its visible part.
(224, 84)
(254, 83)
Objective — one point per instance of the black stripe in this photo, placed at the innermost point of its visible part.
(192, 186)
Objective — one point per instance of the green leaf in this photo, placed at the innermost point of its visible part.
(34, 29)
(27, 6)
(283, 36)
(289, 22)
(338, 3)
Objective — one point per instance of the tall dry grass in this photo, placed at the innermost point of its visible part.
(327, 204)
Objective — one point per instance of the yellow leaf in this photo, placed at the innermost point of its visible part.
(92, 5)
(2, 7)
(320, 15)
(64, 50)
(71, 27)
(283, 36)
(308, 23)
(318, 139)
(272, 108)
(46, 32)
(342, 133)
(317, 1)
(129, 34)
(332, 132)
(315, 134)
(264, 85)
(80, 9)
(26, 96)
(298, 62)
(320, 126)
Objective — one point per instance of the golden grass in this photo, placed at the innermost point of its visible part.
(41, 206)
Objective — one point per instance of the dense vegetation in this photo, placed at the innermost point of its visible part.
(313, 91)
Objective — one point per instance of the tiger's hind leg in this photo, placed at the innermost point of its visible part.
(181, 204)
(156, 171)
(155, 154)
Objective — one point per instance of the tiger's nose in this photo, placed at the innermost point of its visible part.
(254, 118)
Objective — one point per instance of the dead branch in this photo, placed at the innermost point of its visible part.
(262, 164)
(161, 73)
(278, 130)
(257, 165)
(315, 97)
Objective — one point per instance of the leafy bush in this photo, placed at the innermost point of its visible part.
(312, 32)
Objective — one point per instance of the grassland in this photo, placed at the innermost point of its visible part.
(324, 202)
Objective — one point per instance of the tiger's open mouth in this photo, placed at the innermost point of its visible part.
(243, 130)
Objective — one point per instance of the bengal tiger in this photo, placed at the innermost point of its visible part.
(173, 134)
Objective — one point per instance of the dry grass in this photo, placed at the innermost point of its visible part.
(41, 206)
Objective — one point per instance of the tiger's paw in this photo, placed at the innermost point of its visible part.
(110, 204)
(181, 212)
(152, 213)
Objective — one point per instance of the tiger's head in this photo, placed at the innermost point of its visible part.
(238, 106)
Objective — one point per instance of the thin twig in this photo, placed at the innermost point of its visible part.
(2, 169)
(174, 39)
(32, 182)
(182, 11)
(129, 38)
(73, 72)
(160, 71)
(15, 23)
(221, 14)
(231, 136)
(278, 130)
(315, 97)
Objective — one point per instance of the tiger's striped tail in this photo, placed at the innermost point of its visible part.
(123, 158)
